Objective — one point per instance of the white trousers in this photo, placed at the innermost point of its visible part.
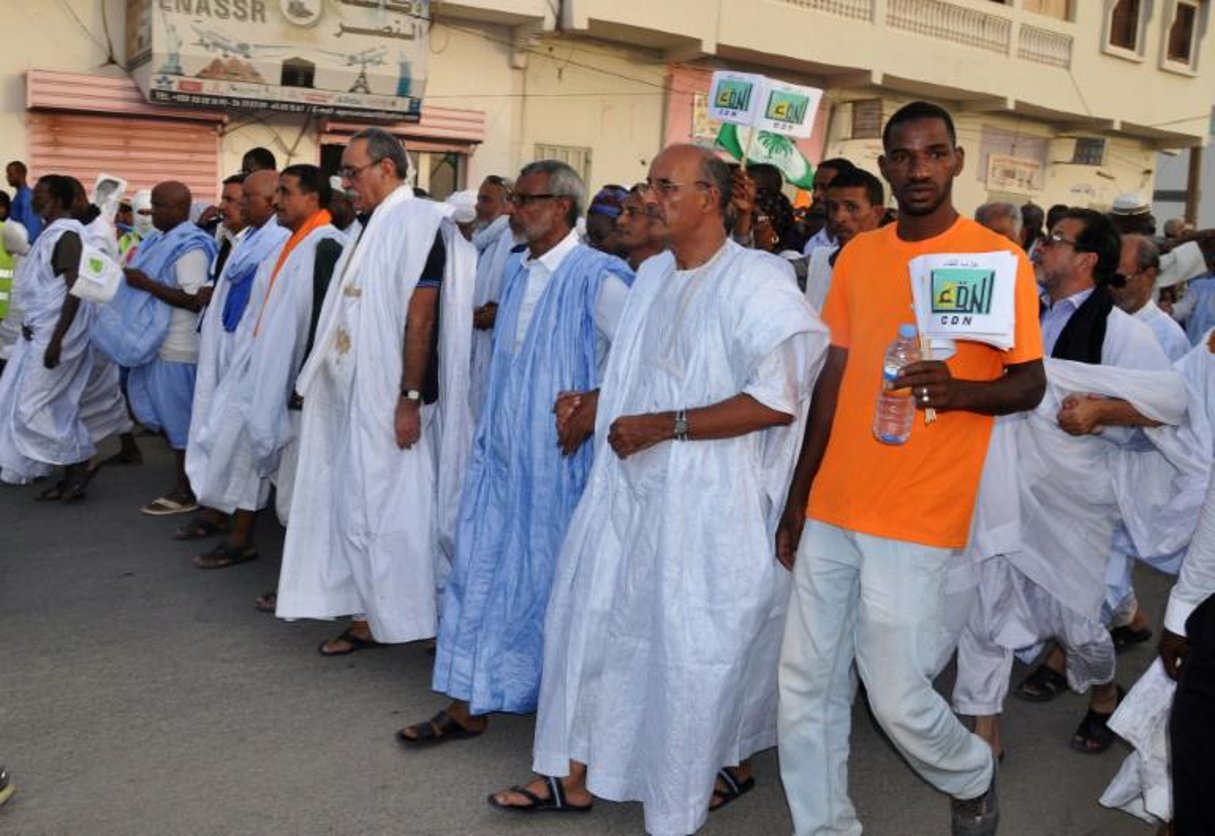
(880, 602)
(1014, 612)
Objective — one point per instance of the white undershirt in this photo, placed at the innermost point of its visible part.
(181, 343)
(607, 307)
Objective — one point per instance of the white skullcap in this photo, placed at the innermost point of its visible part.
(16, 238)
(464, 206)
(142, 199)
(1129, 203)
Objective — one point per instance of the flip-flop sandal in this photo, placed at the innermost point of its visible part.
(734, 788)
(355, 644)
(266, 602)
(167, 506)
(1126, 636)
(1043, 685)
(225, 555)
(438, 729)
(199, 529)
(555, 803)
(52, 494)
(1093, 736)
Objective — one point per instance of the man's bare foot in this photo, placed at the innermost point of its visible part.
(731, 783)
(452, 723)
(538, 795)
(356, 637)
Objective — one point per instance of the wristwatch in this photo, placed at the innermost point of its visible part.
(681, 425)
(411, 394)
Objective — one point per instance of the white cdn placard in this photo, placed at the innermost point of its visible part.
(736, 97)
(789, 109)
(757, 101)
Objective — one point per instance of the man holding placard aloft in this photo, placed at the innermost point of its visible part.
(885, 520)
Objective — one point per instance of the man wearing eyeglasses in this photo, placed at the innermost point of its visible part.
(1066, 466)
(559, 306)
(385, 425)
(664, 625)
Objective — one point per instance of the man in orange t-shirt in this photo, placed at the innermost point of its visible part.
(884, 519)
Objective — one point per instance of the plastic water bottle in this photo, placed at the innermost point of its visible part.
(895, 413)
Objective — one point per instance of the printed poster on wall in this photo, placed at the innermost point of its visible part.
(342, 58)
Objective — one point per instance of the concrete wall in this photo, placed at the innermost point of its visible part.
(1128, 165)
(607, 98)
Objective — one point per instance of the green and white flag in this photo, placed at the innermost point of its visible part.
(775, 149)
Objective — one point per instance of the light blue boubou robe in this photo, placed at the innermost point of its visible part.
(519, 490)
(131, 327)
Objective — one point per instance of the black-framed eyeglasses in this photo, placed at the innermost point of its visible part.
(518, 199)
(1057, 238)
(350, 172)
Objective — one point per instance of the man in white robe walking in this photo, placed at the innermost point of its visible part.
(1052, 586)
(494, 240)
(256, 239)
(43, 382)
(237, 448)
(665, 618)
(386, 420)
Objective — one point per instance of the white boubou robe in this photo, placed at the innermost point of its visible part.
(40, 423)
(103, 408)
(372, 524)
(668, 605)
(493, 244)
(217, 345)
(1142, 786)
(237, 447)
(1049, 502)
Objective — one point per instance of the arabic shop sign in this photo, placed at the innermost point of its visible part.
(342, 58)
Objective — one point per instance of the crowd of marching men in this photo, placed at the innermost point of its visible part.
(617, 457)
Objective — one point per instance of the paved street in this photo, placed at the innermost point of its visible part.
(139, 695)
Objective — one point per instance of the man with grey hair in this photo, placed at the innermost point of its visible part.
(1001, 218)
(386, 425)
(560, 303)
(664, 627)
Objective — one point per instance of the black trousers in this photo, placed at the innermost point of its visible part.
(1192, 729)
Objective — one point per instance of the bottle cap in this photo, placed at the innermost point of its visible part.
(907, 331)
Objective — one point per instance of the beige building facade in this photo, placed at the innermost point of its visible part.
(1057, 101)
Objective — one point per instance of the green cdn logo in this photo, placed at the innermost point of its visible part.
(958, 293)
(96, 264)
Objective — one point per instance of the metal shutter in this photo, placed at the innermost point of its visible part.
(142, 151)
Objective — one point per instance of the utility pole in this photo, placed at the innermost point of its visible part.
(1193, 186)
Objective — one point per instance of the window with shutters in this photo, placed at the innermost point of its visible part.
(576, 157)
(867, 119)
(1181, 37)
(1089, 151)
(1124, 26)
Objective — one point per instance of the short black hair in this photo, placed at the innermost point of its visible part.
(858, 178)
(312, 181)
(914, 112)
(262, 158)
(1099, 236)
(1054, 213)
(60, 188)
(839, 165)
(766, 176)
(17, 164)
(234, 179)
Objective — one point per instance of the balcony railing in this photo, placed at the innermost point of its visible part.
(855, 9)
(951, 22)
(1044, 46)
